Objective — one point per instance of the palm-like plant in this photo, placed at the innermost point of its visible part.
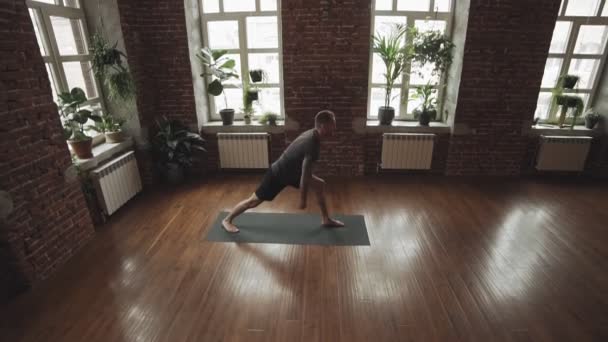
(394, 54)
(219, 67)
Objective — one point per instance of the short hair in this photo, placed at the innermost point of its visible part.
(324, 116)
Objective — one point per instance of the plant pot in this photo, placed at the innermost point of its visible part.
(570, 82)
(256, 76)
(252, 95)
(386, 115)
(82, 148)
(272, 122)
(247, 120)
(227, 116)
(425, 117)
(591, 121)
(114, 137)
(174, 173)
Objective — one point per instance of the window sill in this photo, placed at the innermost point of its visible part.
(239, 126)
(103, 152)
(406, 126)
(546, 129)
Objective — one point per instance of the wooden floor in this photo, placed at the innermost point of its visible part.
(450, 260)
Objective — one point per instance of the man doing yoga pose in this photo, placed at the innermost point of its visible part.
(294, 168)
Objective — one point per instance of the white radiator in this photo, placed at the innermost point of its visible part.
(117, 182)
(243, 150)
(562, 153)
(407, 151)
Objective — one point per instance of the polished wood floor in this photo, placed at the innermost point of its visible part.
(450, 260)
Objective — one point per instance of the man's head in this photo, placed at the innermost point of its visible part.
(325, 122)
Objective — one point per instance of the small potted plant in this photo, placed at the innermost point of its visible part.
(221, 69)
(174, 146)
(248, 99)
(257, 75)
(592, 119)
(391, 49)
(74, 119)
(566, 101)
(269, 118)
(111, 127)
(427, 110)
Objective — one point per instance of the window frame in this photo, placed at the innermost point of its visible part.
(568, 55)
(405, 86)
(243, 51)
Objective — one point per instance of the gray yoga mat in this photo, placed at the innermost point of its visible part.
(297, 229)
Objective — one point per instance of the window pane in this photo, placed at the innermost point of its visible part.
(552, 71)
(268, 5)
(591, 39)
(269, 62)
(69, 37)
(38, 31)
(72, 3)
(384, 5)
(422, 74)
(237, 67)
(385, 24)
(269, 100)
(561, 33)
(48, 1)
(262, 32)
(431, 25)
(211, 6)
(585, 8)
(239, 5)
(605, 11)
(442, 5)
(586, 69)
(223, 34)
(542, 106)
(78, 74)
(413, 5)
(52, 80)
(377, 100)
(234, 97)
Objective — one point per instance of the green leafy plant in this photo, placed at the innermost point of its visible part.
(269, 118)
(248, 99)
(73, 116)
(174, 144)
(107, 64)
(107, 124)
(566, 101)
(568, 81)
(394, 53)
(431, 47)
(427, 96)
(219, 67)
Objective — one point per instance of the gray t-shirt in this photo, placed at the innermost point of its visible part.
(289, 166)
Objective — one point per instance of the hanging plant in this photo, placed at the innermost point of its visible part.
(107, 64)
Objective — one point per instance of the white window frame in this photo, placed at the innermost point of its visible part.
(411, 18)
(568, 55)
(243, 51)
(54, 59)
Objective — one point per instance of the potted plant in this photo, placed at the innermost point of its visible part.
(248, 99)
(221, 69)
(174, 146)
(392, 50)
(566, 101)
(592, 119)
(568, 81)
(74, 118)
(257, 75)
(269, 118)
(107, 64)
(111, 127)
(427, 110)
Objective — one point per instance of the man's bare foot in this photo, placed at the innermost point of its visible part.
(331, 223)
(230, 227)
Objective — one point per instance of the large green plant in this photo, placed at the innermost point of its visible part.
(107, 64)
(174, 144)
(220, 68)
(74, 117)
(394, 53)
(431, 47)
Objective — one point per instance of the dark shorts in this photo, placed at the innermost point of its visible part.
(272, 185)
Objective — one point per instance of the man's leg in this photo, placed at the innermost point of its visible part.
(250, 203)
(318, 186)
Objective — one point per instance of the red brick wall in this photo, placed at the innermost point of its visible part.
(505, 52)
(50, 221)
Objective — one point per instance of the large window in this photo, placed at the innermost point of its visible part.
(61, 32)
(425, 15)
(578, 47)
(250, 31)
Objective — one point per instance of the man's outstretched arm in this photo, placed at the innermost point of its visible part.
(305, 181)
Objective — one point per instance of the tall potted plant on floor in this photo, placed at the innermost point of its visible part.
(393, 52)
(219, 68)
(74, 118)
(174, 147)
